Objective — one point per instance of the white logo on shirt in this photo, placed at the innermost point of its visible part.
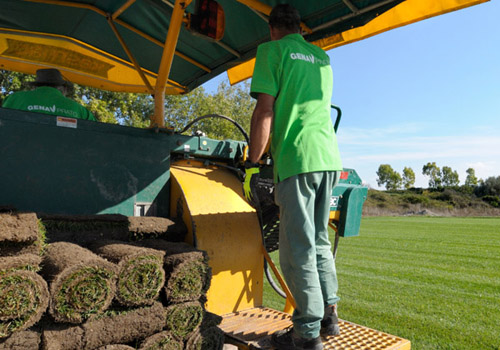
(308, 58)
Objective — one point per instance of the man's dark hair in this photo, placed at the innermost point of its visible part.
(286, 17)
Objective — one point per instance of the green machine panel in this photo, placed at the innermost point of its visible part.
(348, 198)
(68, 166)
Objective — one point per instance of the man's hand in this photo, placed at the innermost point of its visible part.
(252, 174)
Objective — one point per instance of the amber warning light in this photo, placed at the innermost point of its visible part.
(208, 20)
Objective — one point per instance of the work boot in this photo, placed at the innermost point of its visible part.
(330, 321)
(286, 339)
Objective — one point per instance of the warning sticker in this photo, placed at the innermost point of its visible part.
(67, 122)
(334, 201)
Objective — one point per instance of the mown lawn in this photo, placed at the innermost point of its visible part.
(432, 280)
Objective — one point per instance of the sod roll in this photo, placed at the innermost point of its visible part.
(23, 340)
(184, 318)
(146, 227)
(187, 271)
(30, 262)
(211, 338)
(24, 297)
(82, 284)
(85, 229)
(162, 341)
(20, 234)
(140, 271)
(116, 328)
(18, 227)
(126, 327)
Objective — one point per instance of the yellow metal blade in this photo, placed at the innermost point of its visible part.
(221, 222)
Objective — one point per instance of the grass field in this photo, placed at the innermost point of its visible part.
(432, 280)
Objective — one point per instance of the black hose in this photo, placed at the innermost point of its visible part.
(270, 279)
(240, 128)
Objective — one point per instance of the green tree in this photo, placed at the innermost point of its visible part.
(488, 187)
(449, 177)
(434, 173)
(388, 177)
(471, 179)
(408, 177)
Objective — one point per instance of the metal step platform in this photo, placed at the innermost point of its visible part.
(251, 329)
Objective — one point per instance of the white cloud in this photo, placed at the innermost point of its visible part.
(408, 145)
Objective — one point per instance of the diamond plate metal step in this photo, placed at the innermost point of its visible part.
(251, 329)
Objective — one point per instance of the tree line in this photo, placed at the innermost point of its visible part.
(441, 178)
(438, 177)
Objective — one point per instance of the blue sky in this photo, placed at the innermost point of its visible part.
(427, 92)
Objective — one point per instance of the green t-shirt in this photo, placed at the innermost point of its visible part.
(299, 76)
(47, 100)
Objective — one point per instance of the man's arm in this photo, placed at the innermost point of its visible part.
(260, 126)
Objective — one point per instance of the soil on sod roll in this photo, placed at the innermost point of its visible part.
(121, 328)
(187, 272)
(211, 338)
(116, 347)
(140, 271)
(184, 318)
(24, 297)
(23, 340)
(162, 341)
(29, 262)
(62, 336)
(144, 227)
(20, 234)
(82, 284)
(18, 227)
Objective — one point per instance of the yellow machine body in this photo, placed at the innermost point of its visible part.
(222, 223)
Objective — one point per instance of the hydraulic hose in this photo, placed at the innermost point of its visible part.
(240, 128)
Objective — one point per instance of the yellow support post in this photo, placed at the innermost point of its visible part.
(166, 60)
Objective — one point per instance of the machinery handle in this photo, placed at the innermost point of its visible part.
(339, 115)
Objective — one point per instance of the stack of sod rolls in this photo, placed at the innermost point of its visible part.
(106, 282)
(188, 278)
(24, 295)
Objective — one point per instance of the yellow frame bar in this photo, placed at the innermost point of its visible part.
(130, 56)
(167, 58)
(122, 9)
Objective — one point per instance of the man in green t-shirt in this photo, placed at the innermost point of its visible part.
(48, 97)
(292, 82)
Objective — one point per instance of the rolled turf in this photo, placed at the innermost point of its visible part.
(187, 271)
(140, 271)
(24, 294)
(184, 318)
(211, 338)
(82, 284)
(119, 328)
(162, 341)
